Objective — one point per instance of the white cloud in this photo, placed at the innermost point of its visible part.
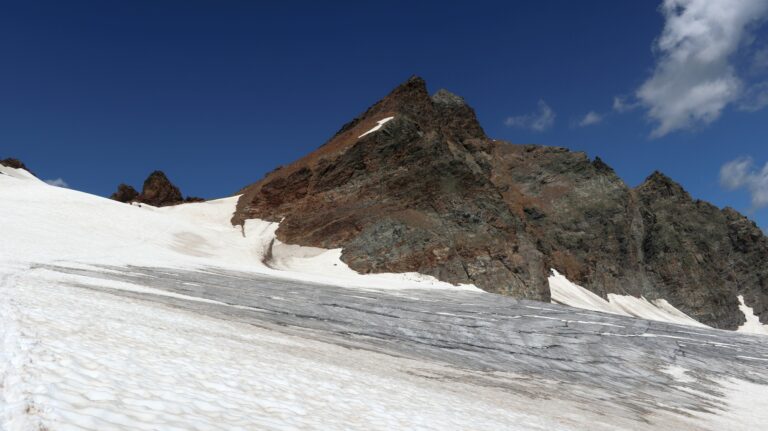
(742, 174)
(694, 80)
(542, 119)
(58, 182)
(621, 104)
(590, 119)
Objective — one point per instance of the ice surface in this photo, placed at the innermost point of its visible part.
(95, 361)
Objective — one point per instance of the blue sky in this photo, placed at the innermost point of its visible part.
(218, 93)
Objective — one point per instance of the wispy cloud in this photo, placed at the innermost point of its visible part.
(755, 98)
(694, 79)
(58, 182)
(539, 121)
(742, 174)
(590, 119)
(622, 104)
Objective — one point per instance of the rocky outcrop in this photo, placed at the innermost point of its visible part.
(125, 193)
(429, 192)
(14, 163)
(157, 191)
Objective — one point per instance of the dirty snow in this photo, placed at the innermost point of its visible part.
(93, 361)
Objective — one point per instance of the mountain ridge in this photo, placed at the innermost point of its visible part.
(414, 184)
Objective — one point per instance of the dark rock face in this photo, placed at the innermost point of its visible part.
(157, 191)
(125, 193)
(429, 192)
(14, 163)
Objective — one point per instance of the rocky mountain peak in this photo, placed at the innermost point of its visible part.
(456, 119)
(660, 185)
(428, 192)
(445, 97)
(410, 102)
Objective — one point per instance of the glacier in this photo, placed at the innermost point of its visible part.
(115, 316)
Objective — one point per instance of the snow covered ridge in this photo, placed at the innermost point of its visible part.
(43, 224)
(18, 173)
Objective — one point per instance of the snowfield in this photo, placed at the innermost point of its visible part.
(116, 317)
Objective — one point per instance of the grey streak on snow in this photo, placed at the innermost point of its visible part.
(599, 361)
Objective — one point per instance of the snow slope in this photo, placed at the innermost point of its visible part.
(567, 293)
(112, 363)
(76, 227)
(752, 325)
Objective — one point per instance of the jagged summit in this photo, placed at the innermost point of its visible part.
(414, 184)
(660, 184)
(411, 100)
(445, 97)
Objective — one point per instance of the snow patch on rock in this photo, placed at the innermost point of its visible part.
(752, 325)
(378, 126)
(563, 291)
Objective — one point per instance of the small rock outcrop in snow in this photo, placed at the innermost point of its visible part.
(157, 191)
(15, 164)
(125, 193)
